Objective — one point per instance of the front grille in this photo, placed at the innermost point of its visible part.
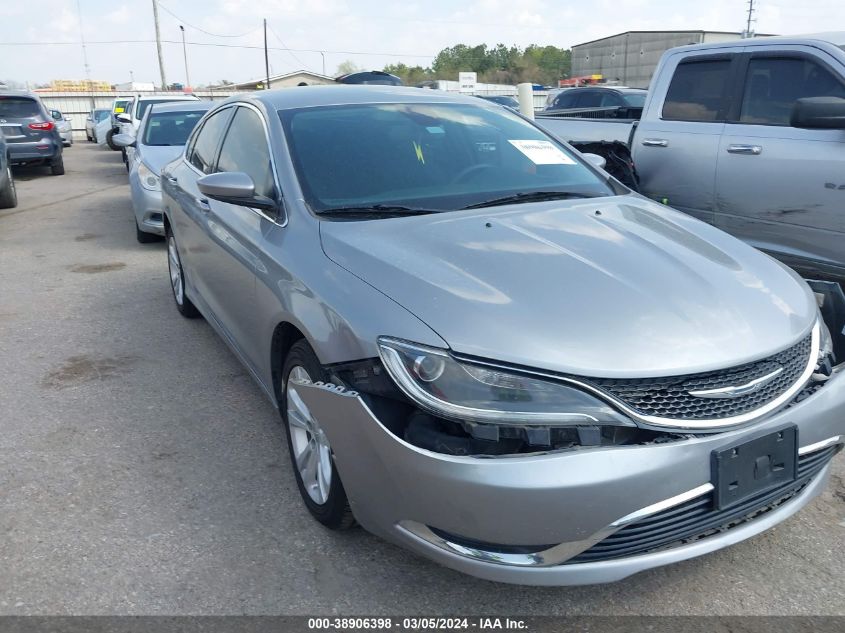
(670, 398)
(698, 518)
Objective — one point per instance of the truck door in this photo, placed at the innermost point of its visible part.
(676, 142)
(781, 188)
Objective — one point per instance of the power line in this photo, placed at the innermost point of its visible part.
(196, 28)
(273, 31)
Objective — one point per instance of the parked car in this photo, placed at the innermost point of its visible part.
(130, 121)
(31, 134)
(8, 194)
(485, 349)
(598, 97)
(105, 132)
(64, 126)
(504, 100)
(371, 77)
(161, 138)
(94, 117)
(748, 136)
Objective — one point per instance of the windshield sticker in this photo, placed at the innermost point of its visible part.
(418, 150)
(542, 152)
(435, 129)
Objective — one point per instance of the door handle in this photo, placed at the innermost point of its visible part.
(173, 180)
(202, 203)
(739, 148)
(655, 142)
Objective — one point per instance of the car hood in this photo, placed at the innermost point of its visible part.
(157, 157)
(616, 287)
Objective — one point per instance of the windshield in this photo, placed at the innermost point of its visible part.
(436, 156)
(120, 105)
(17, 108)
(142, 106)
(170, 128)
(100, 115)
(634, 99)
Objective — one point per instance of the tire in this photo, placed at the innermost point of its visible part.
(9, 196)
(328, 504)
(144, 237)
(57, 166)
(177, 282)
(109, 140)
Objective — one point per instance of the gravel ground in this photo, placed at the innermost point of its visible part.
(142, 471)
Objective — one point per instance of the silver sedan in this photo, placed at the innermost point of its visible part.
(162, 134)
(487, 350)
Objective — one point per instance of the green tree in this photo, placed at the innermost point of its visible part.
(502, 63)
(346, 67)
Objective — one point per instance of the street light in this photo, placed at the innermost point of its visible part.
(185, 55)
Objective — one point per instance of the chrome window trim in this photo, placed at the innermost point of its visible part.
(676, 423)
(280, 222)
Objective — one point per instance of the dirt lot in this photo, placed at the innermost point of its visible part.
(142, 471)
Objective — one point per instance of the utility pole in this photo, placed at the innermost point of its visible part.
(85, 55)
(748, 32)
(158, 47)
(266, 58)
(185, 55)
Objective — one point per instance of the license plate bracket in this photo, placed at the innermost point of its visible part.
(754, 466)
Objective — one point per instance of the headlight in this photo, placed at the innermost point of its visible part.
(149, 180)
(458, 390)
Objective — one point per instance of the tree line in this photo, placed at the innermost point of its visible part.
(498, 64)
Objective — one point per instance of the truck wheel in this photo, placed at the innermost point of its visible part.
(310, 454)
(9, 196)
(57, 166)
(110, 142)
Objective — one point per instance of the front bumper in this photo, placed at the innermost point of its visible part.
(146, 205)
(569, 500)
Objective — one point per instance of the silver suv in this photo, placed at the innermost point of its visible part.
(30, 131)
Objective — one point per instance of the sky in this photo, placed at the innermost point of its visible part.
(45, 44)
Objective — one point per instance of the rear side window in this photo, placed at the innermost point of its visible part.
(208, 140)
(772, 85)
(245, 149)
(18, 108)
(698, 91)
(565, 100)
(590, 99)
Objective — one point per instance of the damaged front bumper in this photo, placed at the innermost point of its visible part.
(539, 518)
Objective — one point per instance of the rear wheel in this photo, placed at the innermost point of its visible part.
(177, 280)
(57, 166)
(310, 453)
(9, 196)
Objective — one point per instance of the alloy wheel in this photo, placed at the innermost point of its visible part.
(311, 449)
(175, 266)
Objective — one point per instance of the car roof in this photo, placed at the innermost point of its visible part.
(182, 106)
(18, 93)
(169, 97)
(836, 38)
(351, 94)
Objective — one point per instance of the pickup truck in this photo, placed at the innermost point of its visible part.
(748, 136)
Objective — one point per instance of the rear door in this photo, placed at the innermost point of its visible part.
(781, 188)
(676, 143)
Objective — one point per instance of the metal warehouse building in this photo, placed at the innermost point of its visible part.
(630, 58)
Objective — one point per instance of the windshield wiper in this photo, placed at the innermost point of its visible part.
(532, 196)
(376, 210)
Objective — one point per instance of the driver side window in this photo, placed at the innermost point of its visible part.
(245, 149)
(208, 140)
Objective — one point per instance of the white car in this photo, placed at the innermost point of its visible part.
(63, 125)
(130, 120)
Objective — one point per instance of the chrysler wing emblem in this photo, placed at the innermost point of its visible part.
(734, 391)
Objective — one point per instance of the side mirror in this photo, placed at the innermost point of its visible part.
(123, 118)
(234, 187)
(596, 160)
(123, 140)
(824, 113)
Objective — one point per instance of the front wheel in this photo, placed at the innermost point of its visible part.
(177, 280)
(310, 453)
